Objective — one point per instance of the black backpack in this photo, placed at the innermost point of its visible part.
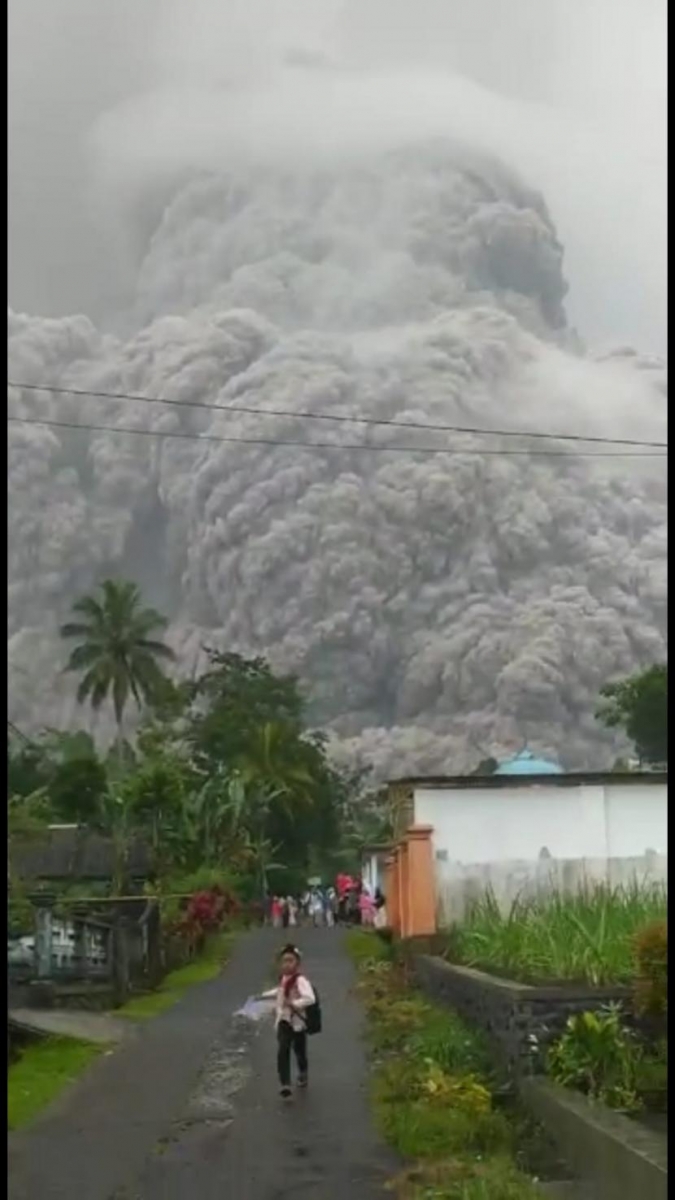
(313, 1016)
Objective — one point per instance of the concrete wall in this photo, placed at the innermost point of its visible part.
(526, 837)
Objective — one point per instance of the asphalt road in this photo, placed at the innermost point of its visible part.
(189, 1106)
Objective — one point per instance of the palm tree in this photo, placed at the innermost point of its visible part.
(116, 653)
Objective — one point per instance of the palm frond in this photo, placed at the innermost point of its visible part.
(88, 606)
(157, 648)
(73, 629)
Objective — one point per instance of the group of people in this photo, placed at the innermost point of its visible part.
(313, 908)
(349, 902)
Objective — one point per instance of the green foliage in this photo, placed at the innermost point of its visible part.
(234, 700)
(421, 1130)
(365, 946)
(445, 1039)
(24, 764)
(651, 960)
(42, 1072)
(207, 966)
(116, 653)
(652, 1075)
(639, 706)
(65, 765)
(494, 1178)
(598, 1055)
(431, 1092)
(222, 770)
(27, 825)
(587, 936)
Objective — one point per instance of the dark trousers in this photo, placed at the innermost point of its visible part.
(287, 1038)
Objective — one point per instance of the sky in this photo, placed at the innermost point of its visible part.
(571, 94)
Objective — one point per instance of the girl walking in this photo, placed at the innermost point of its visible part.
(294, 994)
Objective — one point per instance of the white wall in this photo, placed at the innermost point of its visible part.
(519, 838)
(637, 819)
(372, 871)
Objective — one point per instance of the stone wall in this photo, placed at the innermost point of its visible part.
(518, 1019)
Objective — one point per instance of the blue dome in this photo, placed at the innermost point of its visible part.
(525, 763)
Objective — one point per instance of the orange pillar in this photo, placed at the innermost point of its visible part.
(390, 889)
(392, 894)
(404, 888)
(421, 906)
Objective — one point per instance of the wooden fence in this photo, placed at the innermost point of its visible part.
(120, 950)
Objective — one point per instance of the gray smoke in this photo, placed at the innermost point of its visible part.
(438, 606)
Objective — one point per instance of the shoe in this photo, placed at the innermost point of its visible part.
(285, 1092)
(302, 1080)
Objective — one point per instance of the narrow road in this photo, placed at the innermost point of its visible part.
(189, 1106)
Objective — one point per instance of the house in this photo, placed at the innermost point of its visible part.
(70, 854)
(528, 827)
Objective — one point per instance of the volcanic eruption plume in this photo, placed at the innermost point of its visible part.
(306, 235)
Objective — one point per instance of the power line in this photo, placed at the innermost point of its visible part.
(212, 437)
(312, 416)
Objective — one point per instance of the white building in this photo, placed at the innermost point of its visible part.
(530, 827)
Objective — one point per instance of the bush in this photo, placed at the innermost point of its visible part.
(651, 961)
(599, 1056)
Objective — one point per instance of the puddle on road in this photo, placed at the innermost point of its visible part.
(224, 1075)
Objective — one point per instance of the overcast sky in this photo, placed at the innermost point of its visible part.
(582, 86)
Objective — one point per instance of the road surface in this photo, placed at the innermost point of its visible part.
(190, 1107)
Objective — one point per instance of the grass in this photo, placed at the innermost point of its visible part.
(174, 986)
(451, 1179)
(364, 945)
(43, 1071)
(588, 937)
(431, 1090)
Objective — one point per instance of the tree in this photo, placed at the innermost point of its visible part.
(116, 654)
(639, 706)
(66, 765)
(231, 702)
(248, 722)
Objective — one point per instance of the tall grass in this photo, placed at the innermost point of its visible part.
(584, 937)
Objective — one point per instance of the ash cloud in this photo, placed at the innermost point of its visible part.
(307, 252)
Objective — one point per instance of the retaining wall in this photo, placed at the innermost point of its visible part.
(520, 1020)
(620, 1159)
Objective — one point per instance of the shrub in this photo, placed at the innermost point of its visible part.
(407, 1079)
(599, 1056)
(445, 1039)
(651, 961)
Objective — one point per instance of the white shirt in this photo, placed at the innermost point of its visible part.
(290, 1010)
